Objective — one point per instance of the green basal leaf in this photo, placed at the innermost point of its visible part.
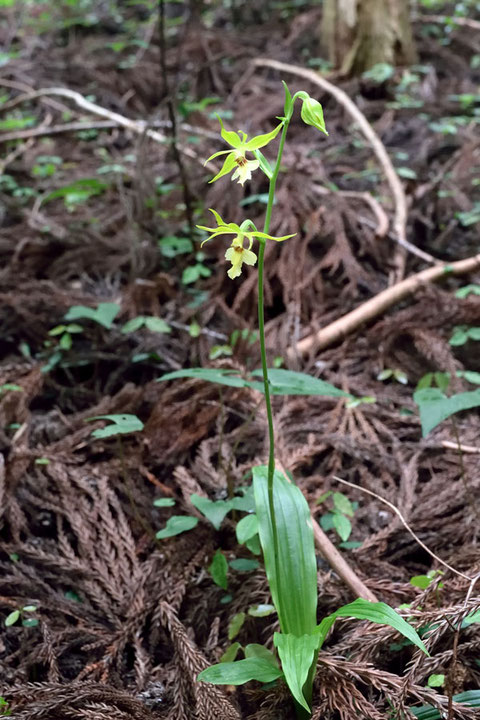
(294, 583)
(241, 672)
(435, 407)
(296, 655)
(218, 569)
(176, 525)
(214, 510)
(375, 612)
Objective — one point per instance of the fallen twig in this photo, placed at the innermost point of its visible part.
(379, 303)
(138, 126)
(400, 201)
(406, 526)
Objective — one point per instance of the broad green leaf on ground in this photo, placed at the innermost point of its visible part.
(296, 656)
(342, 525)
(282, 382)
(214, 510)
(241, 672)
(470, 698)
(244, 564)
(375, 612)
(218, 569)
(220, 376)
(342, 503)
(104, 314)
(122, 424)
(246, 528)
(435, 406)
(231, 653)
(164, 502)
(294, 583)
(176, 525)
(235, 625)
(260, 651)
(261, 610)
(289, 382)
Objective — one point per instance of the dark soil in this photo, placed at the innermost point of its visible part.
(127, 621)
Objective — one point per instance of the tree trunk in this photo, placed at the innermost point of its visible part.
(361, 33)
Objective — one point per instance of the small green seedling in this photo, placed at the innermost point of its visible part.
(393, 373)
(103, 315)
(121, 425)
(64, 334)
(154, 324)
(339, 516)
(19, 614)
(10, 387)
(424, 581)
(4, 711)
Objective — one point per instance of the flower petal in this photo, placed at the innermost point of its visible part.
(249, 257)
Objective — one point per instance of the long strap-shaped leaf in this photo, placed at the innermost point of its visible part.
(375, 612)
(294, 587)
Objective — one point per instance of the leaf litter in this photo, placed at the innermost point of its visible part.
(127, 621)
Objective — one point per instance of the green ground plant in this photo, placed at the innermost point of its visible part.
(281, 516)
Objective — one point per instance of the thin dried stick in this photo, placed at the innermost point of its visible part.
(137, 126)
(396, 187)
(406, 526)
(342, 327)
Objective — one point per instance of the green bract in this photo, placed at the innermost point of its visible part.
(237, 160)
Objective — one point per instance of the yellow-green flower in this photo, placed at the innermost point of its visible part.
(237, 254)
(236, 160)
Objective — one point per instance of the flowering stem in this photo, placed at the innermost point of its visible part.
(263, 352)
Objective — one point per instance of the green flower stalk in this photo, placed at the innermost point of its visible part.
(282, 514)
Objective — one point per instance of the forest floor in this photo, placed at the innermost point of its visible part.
(125, 621)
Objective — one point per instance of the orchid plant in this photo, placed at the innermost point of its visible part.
(282, 516)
